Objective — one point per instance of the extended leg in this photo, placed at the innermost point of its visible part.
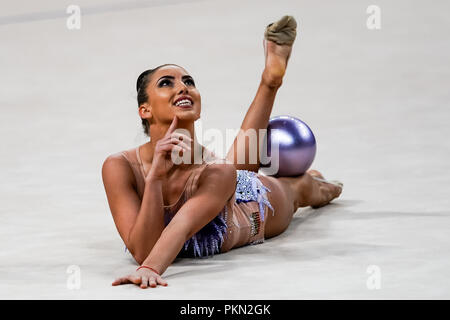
(258, 114)
(246, 143)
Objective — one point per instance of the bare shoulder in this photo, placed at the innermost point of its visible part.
(116, 166)
(114, 160)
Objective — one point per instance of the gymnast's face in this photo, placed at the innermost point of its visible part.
(167, 85)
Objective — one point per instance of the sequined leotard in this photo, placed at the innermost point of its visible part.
(240, 222)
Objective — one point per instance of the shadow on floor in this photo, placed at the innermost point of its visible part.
(306, 239)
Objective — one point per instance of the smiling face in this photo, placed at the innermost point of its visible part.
(171, 91)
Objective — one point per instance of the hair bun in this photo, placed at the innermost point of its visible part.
(140, 79)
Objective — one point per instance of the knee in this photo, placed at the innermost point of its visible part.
(313, 172)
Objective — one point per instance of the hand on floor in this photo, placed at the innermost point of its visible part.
(143, 277)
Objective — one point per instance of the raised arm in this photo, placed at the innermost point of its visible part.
(258, 115)
(216, 185)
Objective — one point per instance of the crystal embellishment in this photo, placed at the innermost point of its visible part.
(250, 188)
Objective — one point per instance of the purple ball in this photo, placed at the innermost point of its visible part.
(296, 143)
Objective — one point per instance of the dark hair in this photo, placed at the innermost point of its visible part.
(141, 88)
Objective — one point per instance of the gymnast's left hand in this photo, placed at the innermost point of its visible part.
(143, 277)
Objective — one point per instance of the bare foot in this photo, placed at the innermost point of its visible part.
(328, 191)
(277, 57)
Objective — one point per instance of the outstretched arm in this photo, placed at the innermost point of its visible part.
(139, 222)
(258, 114)
(216, 186)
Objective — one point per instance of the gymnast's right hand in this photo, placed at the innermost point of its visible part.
(162, 157)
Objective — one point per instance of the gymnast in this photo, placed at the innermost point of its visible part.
(165, 210)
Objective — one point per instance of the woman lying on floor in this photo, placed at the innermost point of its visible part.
(164, 210)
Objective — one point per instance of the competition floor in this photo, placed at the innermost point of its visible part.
(377, 101)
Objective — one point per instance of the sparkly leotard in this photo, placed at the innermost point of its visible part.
(240, 222)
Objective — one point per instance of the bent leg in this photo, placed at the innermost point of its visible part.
(290, 193)
(282, 199)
